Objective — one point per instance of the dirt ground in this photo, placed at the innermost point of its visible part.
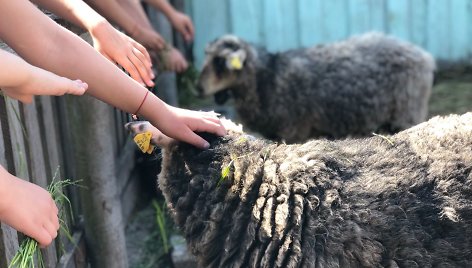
(452, 93)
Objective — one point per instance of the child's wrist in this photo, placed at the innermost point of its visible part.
(95, 27)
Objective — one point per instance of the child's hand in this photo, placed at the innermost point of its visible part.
(148, 38)
(28, 208)
(42, 82)
(174, 60)
(181, 124)
(183, 24)
(120, 48)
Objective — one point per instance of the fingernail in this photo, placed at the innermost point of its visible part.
(206, 145)
(152, 75)
(150, 83)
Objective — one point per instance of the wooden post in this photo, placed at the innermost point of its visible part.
(166, 81)
(8, 236)
(36, 164)
(91, 129)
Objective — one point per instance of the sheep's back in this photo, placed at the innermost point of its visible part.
(354, 87)
(372, 202)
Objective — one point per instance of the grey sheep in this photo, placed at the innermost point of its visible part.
(368, 83)
(384, 201)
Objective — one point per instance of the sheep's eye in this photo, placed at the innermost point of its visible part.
(219, 63)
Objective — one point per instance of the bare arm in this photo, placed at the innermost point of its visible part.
(113, 11)
(181, 22)
(43, 43)
(21, 81)
(114, 45)
(135, 9)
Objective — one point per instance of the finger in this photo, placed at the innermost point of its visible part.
(143, 50)
(213, 119)
(138, 60)
(54, 216)
(159, 43)
(76, 87)
(190, 32)
(133, 72)
(209, 126)
(195, 140)
(51, 228)
(185, 65)
(43, 237)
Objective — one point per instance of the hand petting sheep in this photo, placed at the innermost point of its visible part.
(384, 201)
(368, 83)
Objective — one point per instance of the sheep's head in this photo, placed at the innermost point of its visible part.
(225, 62)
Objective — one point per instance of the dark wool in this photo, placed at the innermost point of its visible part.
(385, 201)
(368, 83)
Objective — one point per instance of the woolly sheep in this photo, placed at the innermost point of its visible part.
(385, 201)
(368, 83)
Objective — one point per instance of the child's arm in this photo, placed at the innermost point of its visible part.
(28, 208)
(43, 43)
(21, 80)
(115, 13)
(114, 45)
(181, 22)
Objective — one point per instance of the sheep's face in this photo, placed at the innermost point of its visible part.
(224, 63)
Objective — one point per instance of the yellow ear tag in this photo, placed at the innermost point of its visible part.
(151, 149)
(143, 140)
(236, 63)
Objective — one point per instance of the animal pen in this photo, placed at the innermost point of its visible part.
(83, 140)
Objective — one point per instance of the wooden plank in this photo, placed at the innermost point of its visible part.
(336, 25)
(418, 20)
(211, 21)
(359, 16)
(399, 19)
(280, 25)
(8, 235)
(438, 28)
(245, 20)
(50, 135)
(460, 39)
(97, 166)
(17, 132)
(378, 15)
(166, 81)
(74, 256)
(8, 244)
(37, 164)
(310, 20)
(469, 15)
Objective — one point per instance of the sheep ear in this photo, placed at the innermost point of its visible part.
(235, 60)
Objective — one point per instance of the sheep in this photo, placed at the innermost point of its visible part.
(368, 83)
(384, 201)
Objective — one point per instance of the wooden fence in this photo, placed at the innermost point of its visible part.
(443, 27)
(83, 139)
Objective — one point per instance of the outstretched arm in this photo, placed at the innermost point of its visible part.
(43, 43)
(170, 58)
(181, 22)
(114, 12)
(114, 45)
(21, 81)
